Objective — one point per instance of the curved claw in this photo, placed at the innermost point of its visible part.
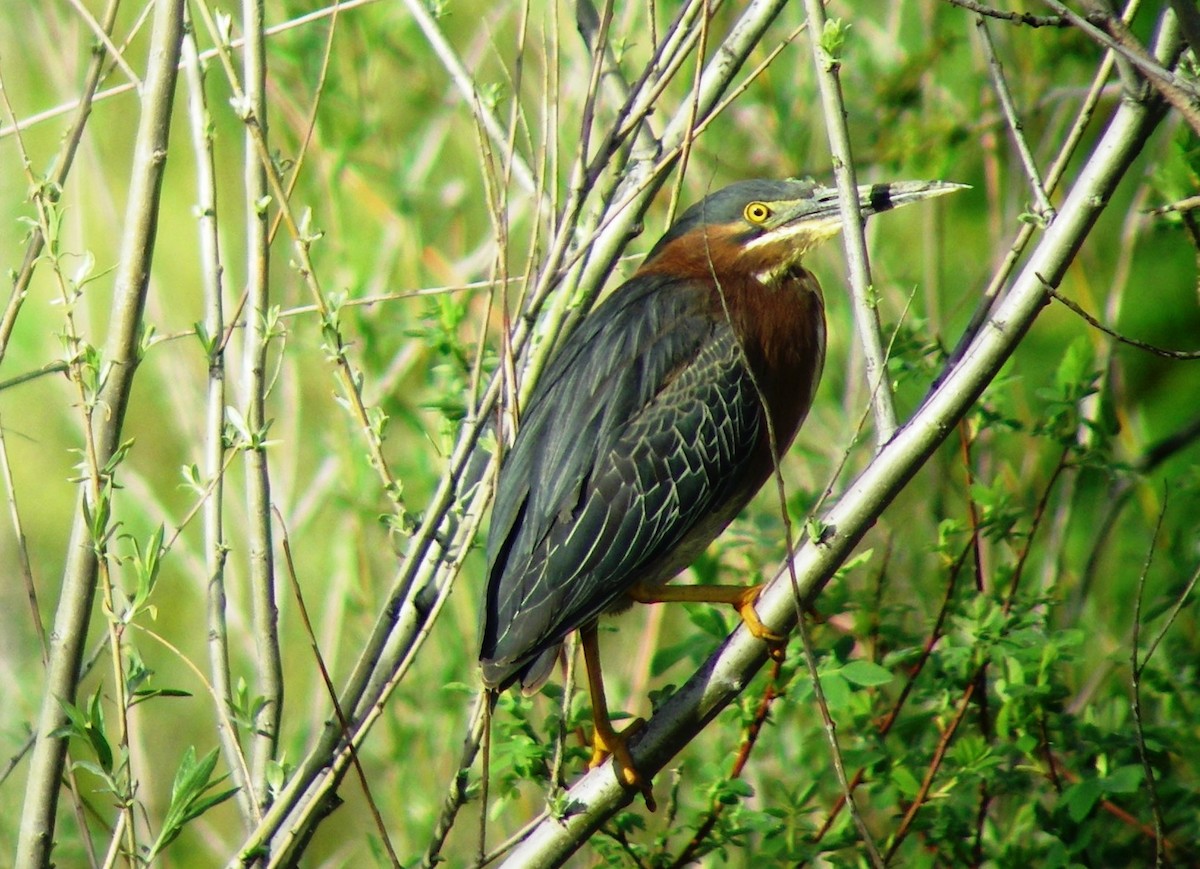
(776, 643)
(607, 742)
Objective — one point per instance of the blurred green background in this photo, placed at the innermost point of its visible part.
(397, 178)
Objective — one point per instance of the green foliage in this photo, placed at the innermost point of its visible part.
(86, 724)
(833, 38)
(974, 652)
(191, 796)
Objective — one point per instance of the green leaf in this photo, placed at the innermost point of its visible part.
(669, 656)
(190, 797)
(1081, 798)
(1124, 780)
(731, 791)
(836, 690)
(87, 724)
(1075, 367)
(833, 38)
(708, 619)
(866, 674)
(903, 778)
(146, 563)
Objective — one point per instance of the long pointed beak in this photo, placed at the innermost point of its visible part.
(821, 207)
(874, 198)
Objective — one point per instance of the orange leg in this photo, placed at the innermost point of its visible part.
(605, 740)
(741, 598)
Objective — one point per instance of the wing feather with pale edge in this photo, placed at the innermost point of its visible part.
(638, 431)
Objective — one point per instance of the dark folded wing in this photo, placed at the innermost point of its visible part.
(630, 458)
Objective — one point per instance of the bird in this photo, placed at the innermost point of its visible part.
(654, 424)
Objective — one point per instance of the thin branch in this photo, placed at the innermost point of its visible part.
(1183, 94)
(935, 763)
(63, 162)
(1123, 815)
(1191, 203)
(1057, 169)
(466, 88)
(1015, 127)
(211, 275)
(1172, 615)
(91, 95)
(1135, 678)
(261, 556)
(599, 794)
(978, 684)
(121, 353)
(1179, 355)
(835, 752)
(102, 33)
(22, 546)
(511, 842)
(1025, 18)
(749, 740)
(1035, 522)
(327, 681)
(303, 239)
(459, 791)
(893, 715)
(862, 293)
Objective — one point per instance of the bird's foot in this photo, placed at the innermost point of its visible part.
(776, 643)
(607, 742)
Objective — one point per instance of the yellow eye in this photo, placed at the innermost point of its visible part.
(756, 212)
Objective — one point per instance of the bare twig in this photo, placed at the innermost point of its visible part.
(466, 87)
(91, 95)
(1053, 177)
(327, 681)
(14, 515)
(1183, 94)
(1000, 85)
(121, 353)
(866, 314)
(1011, 17)
(1179, 355)
(102, 32)
(214, 451)
(63, 162)
(1172, 615)
(261, 555)
(1135, 678)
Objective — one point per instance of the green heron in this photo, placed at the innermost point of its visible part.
(653, 426)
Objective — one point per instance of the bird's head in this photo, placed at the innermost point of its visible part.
(764, 228)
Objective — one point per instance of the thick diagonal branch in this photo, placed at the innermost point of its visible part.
(599, 795)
